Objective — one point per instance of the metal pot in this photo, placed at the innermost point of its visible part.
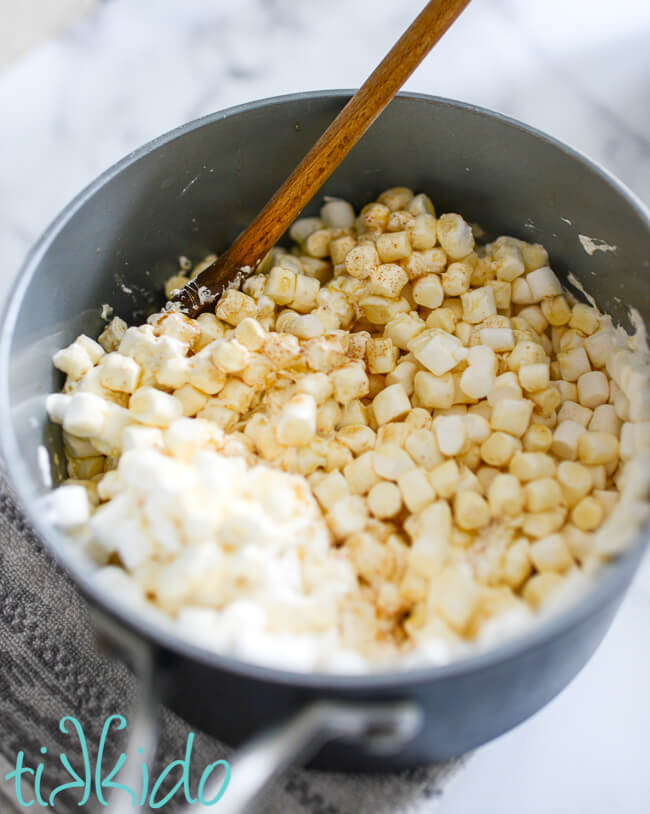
(192, 191)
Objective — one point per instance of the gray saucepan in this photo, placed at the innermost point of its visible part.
(192, 191)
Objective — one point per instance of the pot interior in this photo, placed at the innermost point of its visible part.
(191, 192)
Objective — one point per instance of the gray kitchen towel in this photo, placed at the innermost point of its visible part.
(50, 668)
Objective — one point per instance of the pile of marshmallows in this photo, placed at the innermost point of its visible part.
(387, 439)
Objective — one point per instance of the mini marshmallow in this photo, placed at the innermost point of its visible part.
(112, 334)
(85, 415)
(137, 436)
(386, 280)
(281, 285)
(455, 235)
(565, 440)
(390, 461)
(174, 372)
(512, 416)
(434, 391)
(118, 372)
(478, 304)
(393, 246)
(154, 407)
(427, 291)
(403, 328)
(451, 434)
(74, 360)
(499, 339)
(337, 214)
(297, 423)
(593, 389)
(56, 404)
(543, 283)
(184, 437)
(67, 507)
(390, 404)
(437, 350)
(350, 382)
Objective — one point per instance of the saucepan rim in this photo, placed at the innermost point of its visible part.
(609, 581)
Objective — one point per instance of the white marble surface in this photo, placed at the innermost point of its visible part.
(579, 70)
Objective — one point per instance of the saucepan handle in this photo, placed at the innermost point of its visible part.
(144, 717)
(383, 727)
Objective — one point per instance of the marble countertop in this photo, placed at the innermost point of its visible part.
(578, 70)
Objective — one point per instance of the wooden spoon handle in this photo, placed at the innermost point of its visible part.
(324, 157)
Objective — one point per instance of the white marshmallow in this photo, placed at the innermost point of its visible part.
(68, 506)
(154, 407)
(85, 415)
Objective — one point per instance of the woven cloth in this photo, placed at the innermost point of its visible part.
(50, 668)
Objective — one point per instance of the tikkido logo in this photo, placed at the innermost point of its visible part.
(98, 780)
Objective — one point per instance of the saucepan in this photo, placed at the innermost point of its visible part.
(191, 192)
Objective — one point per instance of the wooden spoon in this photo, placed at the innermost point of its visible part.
(251, 246)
